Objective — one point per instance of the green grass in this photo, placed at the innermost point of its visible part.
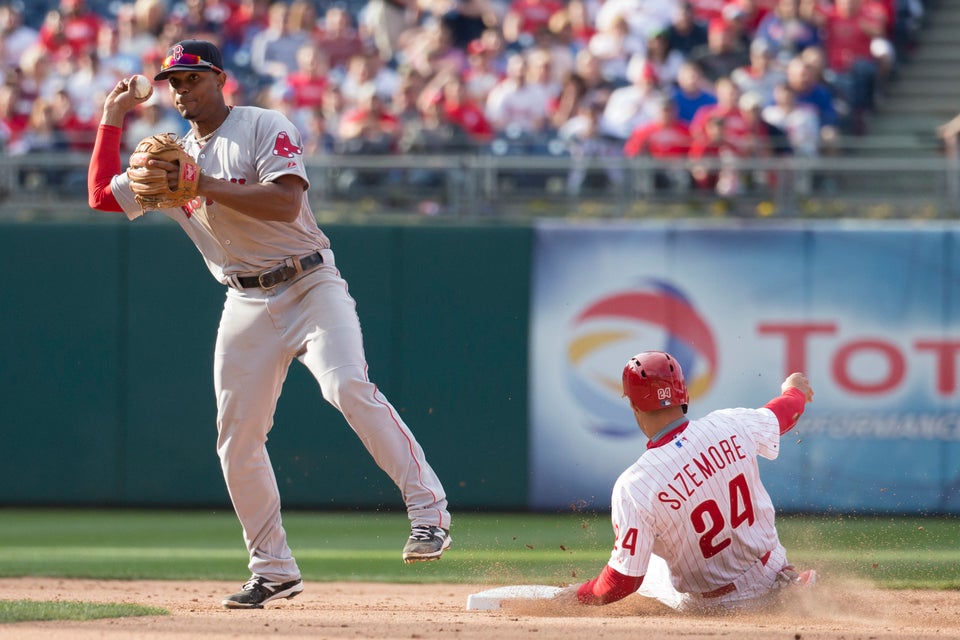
(488, 548)
(895, 553)
(29, 610)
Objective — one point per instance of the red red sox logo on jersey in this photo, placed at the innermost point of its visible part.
(284, 147)
(190, 172)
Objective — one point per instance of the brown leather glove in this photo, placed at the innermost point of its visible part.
(151, 184)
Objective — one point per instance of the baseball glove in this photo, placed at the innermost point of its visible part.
(150, 184)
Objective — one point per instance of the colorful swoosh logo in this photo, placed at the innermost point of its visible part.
(607, 331)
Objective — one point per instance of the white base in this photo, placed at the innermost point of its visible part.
(656, 585)
(494, 598)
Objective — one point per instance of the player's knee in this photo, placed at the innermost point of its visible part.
(346, 387)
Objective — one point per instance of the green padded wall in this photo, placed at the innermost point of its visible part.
(107, 342)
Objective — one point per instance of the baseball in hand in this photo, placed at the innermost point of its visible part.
(140, 86)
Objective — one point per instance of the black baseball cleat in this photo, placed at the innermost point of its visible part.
(258, 591)
(426, 543)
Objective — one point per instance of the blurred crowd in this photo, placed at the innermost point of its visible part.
(698, 80)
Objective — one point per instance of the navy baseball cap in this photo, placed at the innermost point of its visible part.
(191, 55)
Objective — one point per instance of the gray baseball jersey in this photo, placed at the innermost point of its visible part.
(311, 318)
(252, 145)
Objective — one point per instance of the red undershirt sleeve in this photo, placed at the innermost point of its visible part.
(609, 586)
(788, 408)
(104, 164)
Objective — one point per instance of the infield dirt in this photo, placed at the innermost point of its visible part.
(834, 610)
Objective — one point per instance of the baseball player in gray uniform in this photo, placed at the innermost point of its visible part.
(285, 300)
(694, 498)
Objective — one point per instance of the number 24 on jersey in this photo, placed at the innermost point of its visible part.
(708, 520)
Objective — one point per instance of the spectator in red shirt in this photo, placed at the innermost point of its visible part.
(666, 138)
(13, 120)
(52, 37)
(458, 108)
(727, 110)
(525, 18)
(709, 147)
(78, 132)
(309, 81)
(849, 29)
(449, 91)
(368, 128)
(849, 26)
(74, 32)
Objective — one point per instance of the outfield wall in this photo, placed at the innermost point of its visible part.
(108, 328)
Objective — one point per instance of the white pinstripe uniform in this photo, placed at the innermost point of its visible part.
(310, 317)
(697, 502)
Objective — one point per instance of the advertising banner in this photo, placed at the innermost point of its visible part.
(871, 313)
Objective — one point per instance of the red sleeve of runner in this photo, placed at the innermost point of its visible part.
(609, 586)
(788, 408)
(104, 164)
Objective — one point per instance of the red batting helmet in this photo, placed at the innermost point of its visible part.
(654, 380)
